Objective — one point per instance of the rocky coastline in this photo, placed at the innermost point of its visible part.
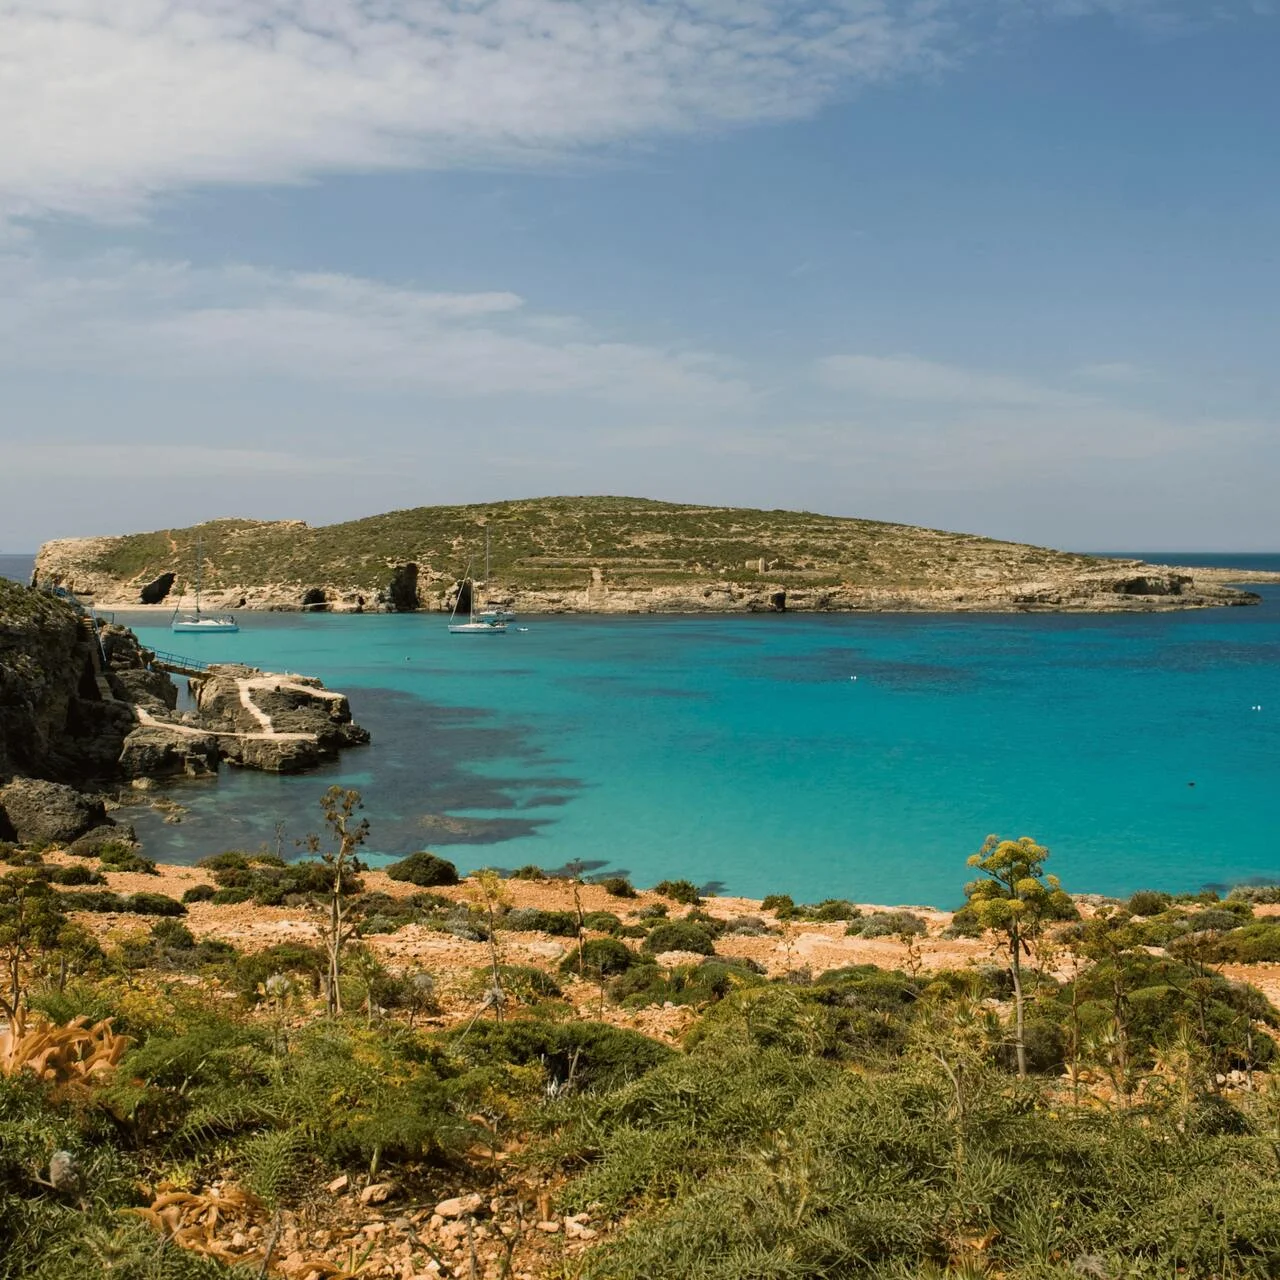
(86, 711)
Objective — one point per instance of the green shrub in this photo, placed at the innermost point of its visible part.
(174, 934)
(81, 900)
(1260, 893)
(887, 924)
(153, 904)
(560, 924)
(680, 935)
(603, 921)
(617, 886)
(251, 971)
(120, 857)
(1148, 902)
(229, 897)
(964, 924)
(781, 904)
(424, 869)
(529, 872)
(75, 874)
(679, 891)
(833, 909)
(584, 1055)
(705, 983)
(654, 911)
(1253, 944)
(600, 957)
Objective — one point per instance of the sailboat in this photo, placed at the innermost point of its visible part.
(198, 623)
(477, 624)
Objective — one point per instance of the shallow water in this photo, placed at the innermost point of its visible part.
(858, 755)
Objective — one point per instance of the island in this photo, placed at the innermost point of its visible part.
(613, 555)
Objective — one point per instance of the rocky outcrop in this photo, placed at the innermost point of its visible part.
(40, 812)
(402, 593)
(83, 705)
(65, 689)
(280, 723)
(156, 750)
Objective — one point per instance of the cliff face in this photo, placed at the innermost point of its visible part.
(57, 720)
(611, 555)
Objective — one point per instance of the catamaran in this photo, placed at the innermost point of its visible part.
(198, 623)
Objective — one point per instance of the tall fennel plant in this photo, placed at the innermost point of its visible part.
(1015, 898)
(339, 806)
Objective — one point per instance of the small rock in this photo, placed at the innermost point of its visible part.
(576, 1231)
(460, 1205)
(549, 1227)
(338, 1185)
(377, 1192)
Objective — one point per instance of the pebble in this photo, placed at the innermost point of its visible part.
(460, 1205)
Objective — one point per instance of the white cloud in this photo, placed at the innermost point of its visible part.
(908, 377)
(118, 314)
(107, 103)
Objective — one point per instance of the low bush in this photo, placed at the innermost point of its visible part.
(603, 922)
(75, 874)
(529, 872)
(1253, 944)
(684, 891)
(153, 904)
(617, 886)
(120, 857)
(888, 924)
(199, 893)
(695, 984)
(585, 1056)
(1148, 902)
(229, 897)
(559, 924)
(654, 911)
(781, 904)
(424, 869)
(1260, 893)
(600, 957)
(832, 909)
(680, 935)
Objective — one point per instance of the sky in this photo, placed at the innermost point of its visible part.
(1004, 266)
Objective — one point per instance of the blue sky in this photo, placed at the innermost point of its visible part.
(1000, 265)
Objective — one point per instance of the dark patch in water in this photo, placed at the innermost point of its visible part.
(825, 666)
(444, 829)
(421, 761)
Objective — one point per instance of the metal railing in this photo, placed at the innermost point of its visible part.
(184, 665)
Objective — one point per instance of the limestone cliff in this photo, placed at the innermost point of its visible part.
(613, 555)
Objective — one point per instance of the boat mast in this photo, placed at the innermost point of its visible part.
(199, 565)
(486, 553)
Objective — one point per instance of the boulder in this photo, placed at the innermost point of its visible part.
(40, 812)
(91, 844)
(155, 751)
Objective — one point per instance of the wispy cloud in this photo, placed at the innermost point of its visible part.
(108, 103)
(120, 314)
(910, 378)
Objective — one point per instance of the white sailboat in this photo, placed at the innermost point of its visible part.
(198, 623)
(477, 624)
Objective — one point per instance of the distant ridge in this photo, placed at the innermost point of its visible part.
(609, 554)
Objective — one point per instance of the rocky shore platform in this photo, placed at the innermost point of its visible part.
(85, 709)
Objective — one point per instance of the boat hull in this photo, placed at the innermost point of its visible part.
(477, 628)
(213, 626)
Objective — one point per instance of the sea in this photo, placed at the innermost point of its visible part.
(854, 755)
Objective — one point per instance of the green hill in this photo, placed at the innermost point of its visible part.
(598, 553)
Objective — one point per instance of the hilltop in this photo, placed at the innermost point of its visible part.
(609, 555)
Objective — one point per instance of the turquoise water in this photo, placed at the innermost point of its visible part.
(742, 752)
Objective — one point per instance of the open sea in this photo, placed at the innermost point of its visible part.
(834, 755)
